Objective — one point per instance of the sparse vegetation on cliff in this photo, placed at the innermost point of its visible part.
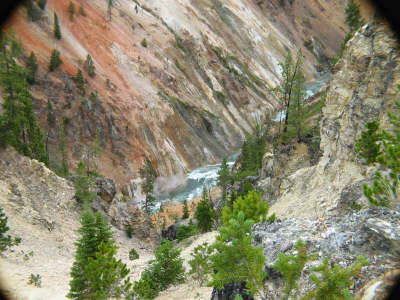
(6, 241)
(18, 126)
(57, 30)
(382, 147)
(55, 60)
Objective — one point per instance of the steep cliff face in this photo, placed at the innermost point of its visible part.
(186, 99)
(363, 88)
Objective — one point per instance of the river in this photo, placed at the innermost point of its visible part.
(193, 183)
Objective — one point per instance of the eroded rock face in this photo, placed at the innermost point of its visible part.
(363, 88)
(373, 233)
(35, 193)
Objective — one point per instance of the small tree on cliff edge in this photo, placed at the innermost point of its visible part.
(149, 175)
(57, 30)
(353, 16)
(204, 213)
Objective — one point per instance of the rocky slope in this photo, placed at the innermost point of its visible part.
(363, 88)
(186, 99)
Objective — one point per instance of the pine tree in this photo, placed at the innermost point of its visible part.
(18, 126)
(204, 213)
(83, 186)
(42, 4)
(96, 273)
(291, 267)
(6, 241)
(334, 281)
(149, 175)
(200, 265)
(80, 82)
(144, 43)
(55, 60)
(185, 210)
(71, 9)
(369, 145)
(383, 147)
(235, 258)
(253, 207)
(353, 16)
(166, 270)
(224, 177)
(32, 67)
(57, 30)
(89, 66)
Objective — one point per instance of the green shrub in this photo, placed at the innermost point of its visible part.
(133, 254)
(334, 281)
(129, 231)
(144, 43)
(204, 213)
(291, 267)
(82, 11)
(6, 241)
(166, 270)
(184, 232)
(251, 205)
(383, 147)
(200, 266)
(35, 280)
(55, 60)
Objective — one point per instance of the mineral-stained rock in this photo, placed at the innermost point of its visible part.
(373, 233)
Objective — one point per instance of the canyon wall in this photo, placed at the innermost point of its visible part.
(178, 82)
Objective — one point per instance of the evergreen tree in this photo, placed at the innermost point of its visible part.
(71, 9)
(251, 205)
(291, 267)
(144, 43)
(224, 177)
(200, 266)
(334, 281)
(6, 241)
(57, 30)
(18, 126)
(80, 82)
(369, 145)
(96, 274)
(64, 170)
(166, 270)
(383, 147)
(51, 123)
(84, 184)
(32, 67)
(235, 258)
(55, 60)
(42, 4)
(149, 175)
(204, 213)
(89, 66)
(290, 83)
(185, 210)
(353, 16)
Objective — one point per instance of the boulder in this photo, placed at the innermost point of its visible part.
(230, 291)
